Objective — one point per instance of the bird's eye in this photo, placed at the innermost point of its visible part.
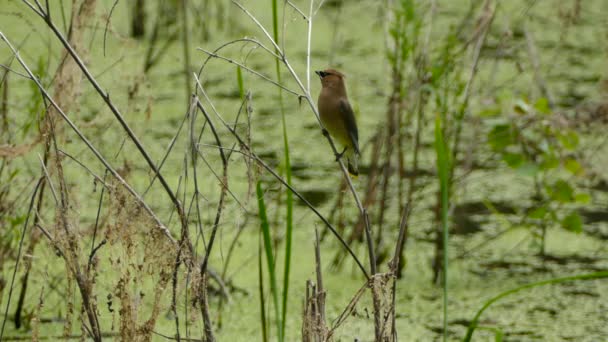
(323, 74)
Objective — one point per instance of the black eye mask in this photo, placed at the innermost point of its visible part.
(321, 73)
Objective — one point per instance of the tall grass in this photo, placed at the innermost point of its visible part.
(443, 175)
(289, 202)
(270, 260)
(261, 290)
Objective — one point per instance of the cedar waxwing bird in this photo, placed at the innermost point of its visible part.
(337, 116)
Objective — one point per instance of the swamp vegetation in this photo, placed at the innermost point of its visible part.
(164, 175)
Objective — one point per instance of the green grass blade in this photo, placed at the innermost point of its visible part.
(443, 174)
(587, 276)
(288, 223)
(261, 289)
(289, 214)
(275, 21)
(269, 256)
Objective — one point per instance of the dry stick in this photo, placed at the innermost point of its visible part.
(241, 225)
(246, 68)
(538, 78)
(93, 248)
(186, 44)
(320, 289)
(308, 41)
(349, 309)
(87, 142)
(487, 19)
(422, 100)
(27, 218)
(203, 268)
(71, 259)
(33, 242)
(106, 98)
(240, 40)
(48, 179)
(169, 149)
(294, 191)
(205, 310)
(184, 241)
(192, 116)
(370, 191)
(391, 131)
(394, 265)
(105, 31)
(151, 57)
(34, 239)
(197, 193)
(97, 178)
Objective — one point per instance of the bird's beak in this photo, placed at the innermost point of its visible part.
(319, 73)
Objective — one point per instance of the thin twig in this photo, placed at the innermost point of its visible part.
(18, 258)
(266, 78)
(48, 179)
(105, 31)
(278, 49)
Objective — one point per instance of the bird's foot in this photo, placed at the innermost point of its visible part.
(339, 155)
(325, 132)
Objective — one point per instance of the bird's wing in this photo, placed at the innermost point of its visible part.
(351, 125)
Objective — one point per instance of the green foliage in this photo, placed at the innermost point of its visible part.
(573, 222)
(535, 146)
(502, 136)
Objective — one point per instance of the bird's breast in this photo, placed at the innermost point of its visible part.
(331, 117)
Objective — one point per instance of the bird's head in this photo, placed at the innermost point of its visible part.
(331, 78)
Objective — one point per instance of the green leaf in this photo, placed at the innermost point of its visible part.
(582, 197)
(500, 137)
(538, 213)
(573, 166)
(569, 140)
(573, 222)
(514, 160)
(561, 191)
(549, 161)
(521, 107)
(542, 106)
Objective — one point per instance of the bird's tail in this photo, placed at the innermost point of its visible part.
(352, 159)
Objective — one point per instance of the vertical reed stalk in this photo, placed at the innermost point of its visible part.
(443, 175)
